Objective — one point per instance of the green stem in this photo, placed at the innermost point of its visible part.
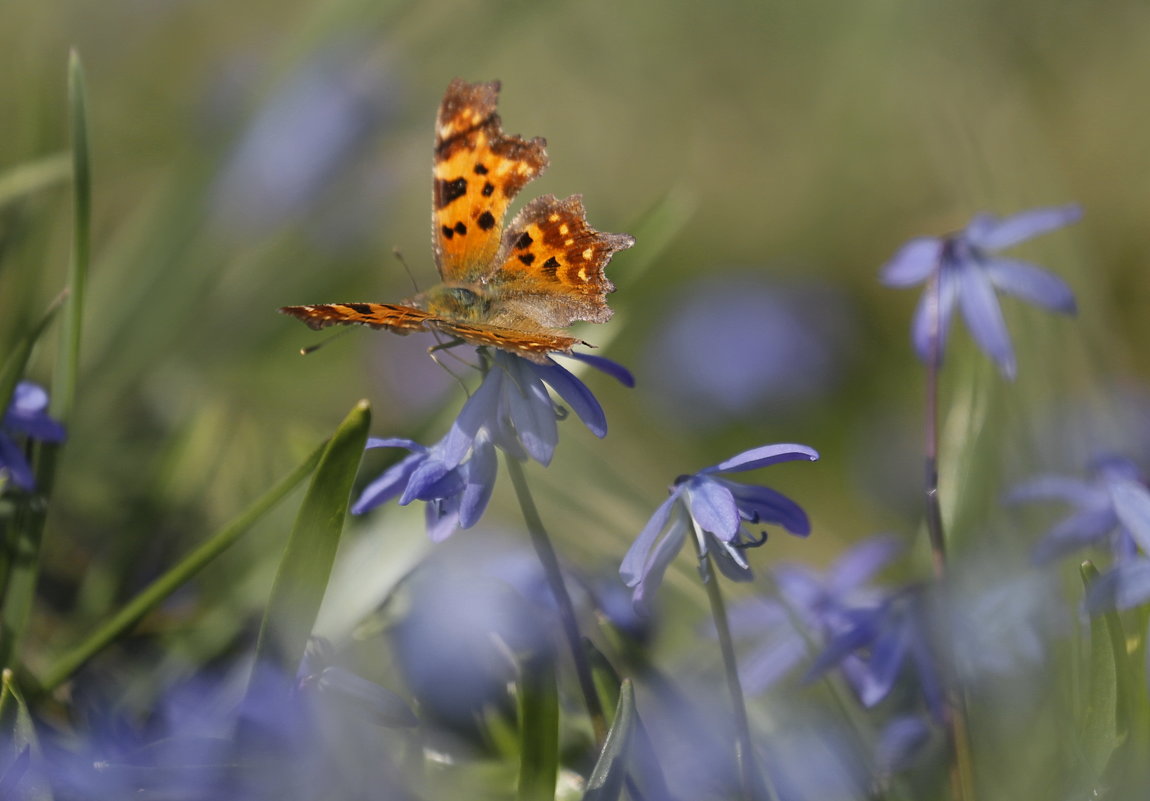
(166, 584)
(550, 562)
(958, 734)
(749, 777)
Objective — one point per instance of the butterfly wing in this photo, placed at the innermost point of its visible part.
(551, 265)
(478, 170)
(401, 319)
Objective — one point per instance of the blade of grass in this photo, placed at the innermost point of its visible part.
(1103, 729)
(19, 746)
(28, 528)
(538, 730)
(305, 568)
(165, 585)
(606, 780)
(32, 176)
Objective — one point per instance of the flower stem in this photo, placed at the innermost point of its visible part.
(958, 735)
(550, 562)
(749, 778)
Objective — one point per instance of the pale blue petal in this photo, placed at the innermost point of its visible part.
(886, 658)
(442, 518)
(767, 665)
(1031, 283)
(1077, 531)
(713, 507)
(1055, 487)
(984, 318)
(765, 505)
(479, 483)
(731, 561)
(1132, 505)
(532, 413)
(479, 411)
(913, 263)
(928, 320)
(858, 565)
(387, 486)
(1023, 226)
(664, 553)
(762, 456)
(635, 562)
(28, 399)
(426, 480)
(395, 442)
(1124, 587)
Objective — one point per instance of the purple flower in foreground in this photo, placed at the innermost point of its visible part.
(1095, 519)
(715, 509)
(512, 410)
(1127, 584)
(968, 272)
(25, 418)
(812, 604)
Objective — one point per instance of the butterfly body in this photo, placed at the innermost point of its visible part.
(514, 288)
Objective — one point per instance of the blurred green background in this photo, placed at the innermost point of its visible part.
(768, 157)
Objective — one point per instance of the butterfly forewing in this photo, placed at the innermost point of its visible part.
(478, 171)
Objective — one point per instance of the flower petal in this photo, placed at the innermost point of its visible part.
(424, 482)
(533, 414)
(1132, 505)
(480, 410)
(913, 263)
(1055, 487)
(930, 320)
(1022, 226)
(12, 459)
(713, 507)
(1077, 531)
(664, 552)
(731, 561)
(28, 399)
(762, 456)
(395, 442)
(635, 562)
(861, 562)
(984, 318)
(388, 485)
(776, 659)
(605, 365)
(479, 482)
(768, 506)
(1124, 587)
(442, 516)
(1031, 283)
(576, 394)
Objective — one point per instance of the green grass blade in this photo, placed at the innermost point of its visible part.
(32, 176)
(165, 585)
(606, 780)
(538, 731)
(18, 747)
(303, 573)
(67, 366)
(1104, 726)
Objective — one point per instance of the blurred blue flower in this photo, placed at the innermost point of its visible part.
(716, 509)
(968, 272)
(512, 410)
(1127, 584)
(1095, 519)
(876, 644)
(812, 606)
(26, 418)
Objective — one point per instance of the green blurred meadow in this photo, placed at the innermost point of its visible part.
(249, 156)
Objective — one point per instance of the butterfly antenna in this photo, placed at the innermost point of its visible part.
(445, 347)
(399, 257)
(318, 345)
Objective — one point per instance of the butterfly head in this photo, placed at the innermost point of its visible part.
(455, 302)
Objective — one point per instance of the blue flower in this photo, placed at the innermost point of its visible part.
(511, 410)
(1127, 584)
(1095, 519)
(968, 272)
(811, 604)
(26, 418)
(715, 508)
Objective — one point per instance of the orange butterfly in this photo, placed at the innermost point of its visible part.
(513, 289)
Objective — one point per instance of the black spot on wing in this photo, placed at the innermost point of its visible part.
(486, 221)
(527, 259)
(523, 241)
(447, 232)
(461, 229)
(447, 192)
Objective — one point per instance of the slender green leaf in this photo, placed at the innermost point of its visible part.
(538, 730)
(305, 568)
(67, 366)
(18, 747)
(1103, 727)
(606, 780)
(32, 176)
(169, 582)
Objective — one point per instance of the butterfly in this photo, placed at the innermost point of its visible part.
(513, 288)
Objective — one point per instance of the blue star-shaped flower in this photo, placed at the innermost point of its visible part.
(25, 418)
(1095, 519)
(511, 410)
(716, 509)
(968, 271)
